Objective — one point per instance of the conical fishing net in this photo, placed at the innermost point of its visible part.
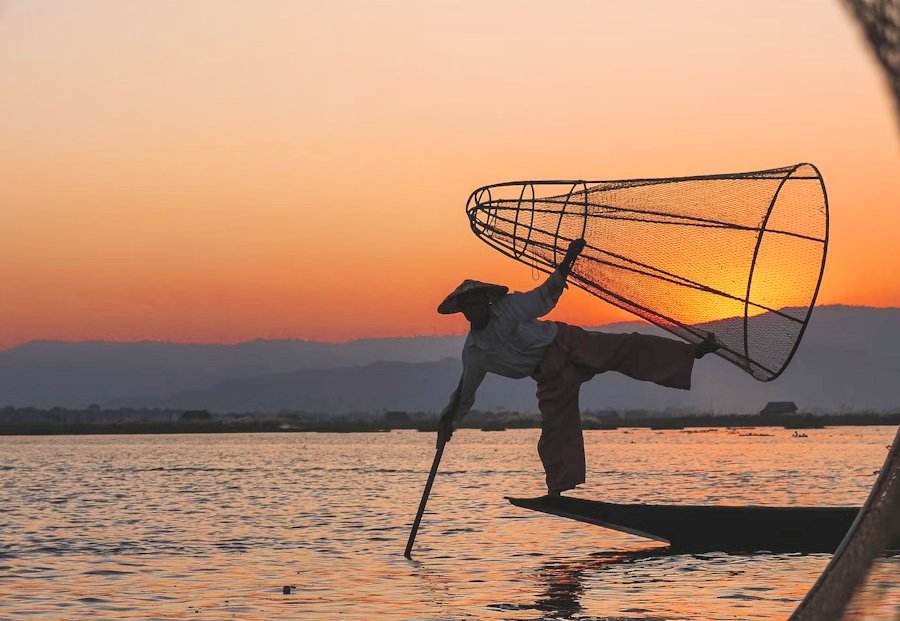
(740, 255)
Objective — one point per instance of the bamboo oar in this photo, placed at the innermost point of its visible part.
(434, 468)
(425, 494)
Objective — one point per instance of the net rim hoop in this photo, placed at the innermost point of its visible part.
(759, 238)
(812, 301)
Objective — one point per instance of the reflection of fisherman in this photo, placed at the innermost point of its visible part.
(508, 339)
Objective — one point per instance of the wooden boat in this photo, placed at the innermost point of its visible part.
(695, 528)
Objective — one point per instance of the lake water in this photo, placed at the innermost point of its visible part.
(214, 526)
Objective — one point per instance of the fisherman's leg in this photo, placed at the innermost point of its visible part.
(663, 361)
(561, 445)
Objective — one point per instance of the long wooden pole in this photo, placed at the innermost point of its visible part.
(415, 527)
(434, 468)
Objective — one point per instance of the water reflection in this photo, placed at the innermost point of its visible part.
(564, 582)
(137, 527)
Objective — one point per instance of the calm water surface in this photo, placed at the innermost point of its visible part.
(212, 527)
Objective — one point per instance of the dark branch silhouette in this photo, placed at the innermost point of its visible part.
(880, 22)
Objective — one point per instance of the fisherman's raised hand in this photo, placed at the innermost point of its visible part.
(445, 429)
(575, 248)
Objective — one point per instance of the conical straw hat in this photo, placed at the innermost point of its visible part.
(450, 304)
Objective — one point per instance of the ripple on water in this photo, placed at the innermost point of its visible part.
(112, 573)
(215, 526)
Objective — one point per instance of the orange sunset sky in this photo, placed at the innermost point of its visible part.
(217, 171)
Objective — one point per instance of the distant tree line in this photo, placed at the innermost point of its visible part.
(94, 420)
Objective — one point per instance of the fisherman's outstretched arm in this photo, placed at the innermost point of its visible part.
(462, 399)
(541, 300)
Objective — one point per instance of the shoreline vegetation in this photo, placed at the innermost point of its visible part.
(61, 421)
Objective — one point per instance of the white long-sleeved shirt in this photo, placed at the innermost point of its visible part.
(512, 344)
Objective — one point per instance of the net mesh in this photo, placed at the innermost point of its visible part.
(740, 255)
(861, 581)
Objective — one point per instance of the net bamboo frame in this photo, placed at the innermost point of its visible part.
(741, 255)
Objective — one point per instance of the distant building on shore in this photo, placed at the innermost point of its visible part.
(396, 417)
(774, 408)
(194, 416)
(602, 415)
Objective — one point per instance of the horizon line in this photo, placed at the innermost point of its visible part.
(334, 342)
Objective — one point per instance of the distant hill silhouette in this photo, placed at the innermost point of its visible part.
(849, 360)
(55, 373)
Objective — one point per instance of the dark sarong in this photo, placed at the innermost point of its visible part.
(574, 357)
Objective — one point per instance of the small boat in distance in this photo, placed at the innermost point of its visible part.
(697, 528)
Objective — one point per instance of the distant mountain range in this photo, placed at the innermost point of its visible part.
(849, 360)
(51, 373)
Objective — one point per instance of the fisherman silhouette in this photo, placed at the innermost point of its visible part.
(508, 338)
